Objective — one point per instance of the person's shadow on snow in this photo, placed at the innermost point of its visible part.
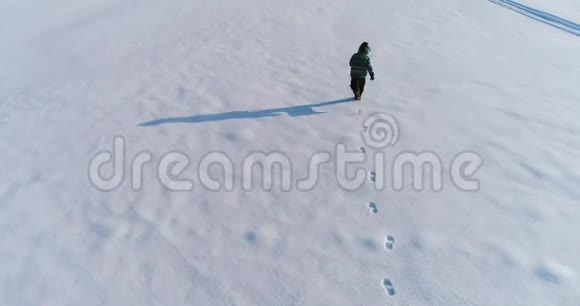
(292, 111)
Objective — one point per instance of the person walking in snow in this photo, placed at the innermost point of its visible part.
(360, 64)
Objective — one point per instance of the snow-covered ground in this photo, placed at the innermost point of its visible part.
(248, 76)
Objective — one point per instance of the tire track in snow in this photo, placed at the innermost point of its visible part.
(541, 16)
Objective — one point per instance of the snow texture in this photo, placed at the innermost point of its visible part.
(243, 76)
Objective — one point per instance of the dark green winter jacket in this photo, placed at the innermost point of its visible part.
(360, 63)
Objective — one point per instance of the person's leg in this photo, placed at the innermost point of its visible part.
(355, 85)
(362, 85)
(358, 91)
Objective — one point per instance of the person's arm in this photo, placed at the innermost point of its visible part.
(370, 69)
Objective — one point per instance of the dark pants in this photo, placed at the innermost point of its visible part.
(357, 84)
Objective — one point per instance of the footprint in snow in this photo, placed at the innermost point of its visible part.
(363, 150)
(373, 176)
(389, 242)
(251, 237)
(389, 288)
(373, 208)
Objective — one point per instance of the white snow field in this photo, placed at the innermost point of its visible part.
(238, 77)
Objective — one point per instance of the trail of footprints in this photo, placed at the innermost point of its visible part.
(389, 242)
